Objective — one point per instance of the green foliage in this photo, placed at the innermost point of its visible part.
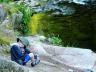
(55, 40)
(26, 18)
(4, 41)
(23, 26)
(75, 30)
(5, 1)
(13, 8)
(71, 43)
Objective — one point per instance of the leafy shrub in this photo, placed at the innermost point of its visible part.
(4, 1)
(55, 40)
(26, 11)
(13, 9)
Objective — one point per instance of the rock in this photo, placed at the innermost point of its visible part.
(65, 10)
(80, 1)
(2, 13)
(85, 2)
(9, 66)
(36, 45)
(57, 59)
(77, 58)
(38, 49)
(16, 19)
(6, 33)
(6, 25)
(70, 70)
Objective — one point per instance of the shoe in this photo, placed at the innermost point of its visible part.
(36, 62)
(32, 64)
(37, 59)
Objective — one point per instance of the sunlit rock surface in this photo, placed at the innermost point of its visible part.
(9, 66)
(56, 5)
(80, 1)
(77, 59)
(54, 59)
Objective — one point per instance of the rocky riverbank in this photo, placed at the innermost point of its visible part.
(54, 59)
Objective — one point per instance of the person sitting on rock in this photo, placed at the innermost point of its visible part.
(21, 54)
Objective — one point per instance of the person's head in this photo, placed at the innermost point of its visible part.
(22, 41)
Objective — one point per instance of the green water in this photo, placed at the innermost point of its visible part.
(76, 30)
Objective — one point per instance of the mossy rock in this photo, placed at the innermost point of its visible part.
(4, 41)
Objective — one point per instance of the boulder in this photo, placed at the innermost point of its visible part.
(38, 49)
(78, 58)
(2, 13)
(36, 46)
(10, 66)
(70, 59)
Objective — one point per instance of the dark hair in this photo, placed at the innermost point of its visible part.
(18, 39)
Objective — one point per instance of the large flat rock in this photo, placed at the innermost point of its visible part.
(78, 58)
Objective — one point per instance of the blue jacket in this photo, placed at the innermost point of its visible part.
(16, 53)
